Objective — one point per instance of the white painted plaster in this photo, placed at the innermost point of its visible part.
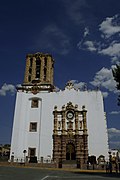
(42, 139)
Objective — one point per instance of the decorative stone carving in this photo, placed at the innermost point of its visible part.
(71, 134)
(69, 85)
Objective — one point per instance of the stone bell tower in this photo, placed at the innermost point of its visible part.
(39, 72)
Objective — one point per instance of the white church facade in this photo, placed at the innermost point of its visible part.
(48, 125)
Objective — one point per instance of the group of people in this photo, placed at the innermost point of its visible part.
(109, 167)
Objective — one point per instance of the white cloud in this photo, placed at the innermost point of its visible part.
(113, 50)
(54, 39)
(7, 88)
(19, 85)
(114, 138)
(104, 79)
(56, 89)
(90, 45)
(78, 85)
(113, 132)
(114, 112)
(105, 94)
(73, 9)
(86, 32)
(109, 27)
(114, 144)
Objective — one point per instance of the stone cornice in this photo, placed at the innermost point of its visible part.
(36, 88)
(39, 54)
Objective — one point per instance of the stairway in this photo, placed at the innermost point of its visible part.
(69, 164)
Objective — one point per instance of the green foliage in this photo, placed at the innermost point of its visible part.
(116, 75)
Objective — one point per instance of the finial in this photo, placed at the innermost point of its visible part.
(69, 85)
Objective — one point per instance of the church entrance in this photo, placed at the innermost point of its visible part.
(70, 152)
(70, 144)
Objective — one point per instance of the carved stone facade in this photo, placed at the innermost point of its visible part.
(38, 72)
(70, 138)
(72, 133)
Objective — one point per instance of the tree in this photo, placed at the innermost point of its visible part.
(116, 75)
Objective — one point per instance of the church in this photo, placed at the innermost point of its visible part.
(52, 125)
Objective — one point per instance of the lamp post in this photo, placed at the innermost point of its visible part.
(12, 157)
(110, 161)
(24, 152)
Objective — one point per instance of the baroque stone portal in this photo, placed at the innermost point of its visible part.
(70, 138)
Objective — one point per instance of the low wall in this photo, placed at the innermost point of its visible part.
(41, 165)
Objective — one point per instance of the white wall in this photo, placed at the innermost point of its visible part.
(42, 139)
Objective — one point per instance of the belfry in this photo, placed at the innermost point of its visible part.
(56, 126)
(39, 70)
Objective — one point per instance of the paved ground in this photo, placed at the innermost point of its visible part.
(18, 173)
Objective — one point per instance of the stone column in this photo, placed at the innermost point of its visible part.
(82, 159)
(27, 70)
(84, 112)
(48, 69)
(55, 148)
(85, 135)
(63, 147)
(77, 143)
(85, 139)
(33, 69)
(63, 120)
(55, 120)
(76, 123)
(52, 72)
(42, 70)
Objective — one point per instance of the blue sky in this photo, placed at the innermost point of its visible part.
(83, 37)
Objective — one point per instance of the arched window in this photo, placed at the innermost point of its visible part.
(45, 68)
(29, 78)
(38, 65)
(31, 60)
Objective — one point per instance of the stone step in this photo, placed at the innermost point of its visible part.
(72, 166)
(69, 162)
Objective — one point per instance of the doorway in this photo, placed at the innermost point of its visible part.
(70, 152)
